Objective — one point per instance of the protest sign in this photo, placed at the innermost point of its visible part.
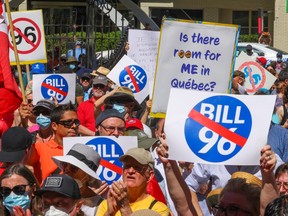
(195, 56)
(217, 128)
(143, 48)
(30, 37)
(50, 86)
(256, 76)
(130, 74)
(109, 148)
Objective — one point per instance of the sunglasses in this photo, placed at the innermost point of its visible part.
(98, 86)
(18, 190)
(69, 123)
(43, 112)
(71, 167)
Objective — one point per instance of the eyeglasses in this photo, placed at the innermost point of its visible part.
(284, 184)
(85, 79)
(43, 112)
(111, 129)
(136, 167)
(69, 123)
(228, 211)
(98, 86)
(18, 190)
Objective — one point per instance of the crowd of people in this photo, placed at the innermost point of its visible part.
(36, 178)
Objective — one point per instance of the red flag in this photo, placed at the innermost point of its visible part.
(10, 95)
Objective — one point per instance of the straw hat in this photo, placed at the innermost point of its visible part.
(100, 71)
(213, 196)
(250, 179)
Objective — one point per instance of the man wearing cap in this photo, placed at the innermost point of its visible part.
(110, 122)
(129, 195)
(60, 195)
(15, 143)
(238, 82)
(249, 51)
(89, 110)
(85, 82)
(78, 49)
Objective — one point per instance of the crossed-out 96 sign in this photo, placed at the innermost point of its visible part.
(133, 77)
(55, 86)
(217, 128)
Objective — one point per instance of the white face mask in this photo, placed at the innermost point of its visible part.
(52, 211)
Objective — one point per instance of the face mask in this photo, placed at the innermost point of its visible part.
(279, 59)
(52, 211)
(72, 66)
(119, 108)
(17, 200)
(43, 121)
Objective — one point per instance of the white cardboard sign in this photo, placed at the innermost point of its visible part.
(109, 148)
(30, 37)
(194, 56)
(59, 86)
(130, 74)
(216, 128)
(256, 76)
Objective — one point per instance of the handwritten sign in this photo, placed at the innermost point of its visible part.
(194, 56)
(109, 148)
(256, 76)
(143, 48)
(217, 128)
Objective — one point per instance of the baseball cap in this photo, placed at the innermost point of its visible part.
(62, 184)
(47, 104)
(15, 141)
(108, 113)
(143, 140)
(262, 60)
(100, 80)
(86, 75)
(134, 123)
(141, 155)
(37, 68)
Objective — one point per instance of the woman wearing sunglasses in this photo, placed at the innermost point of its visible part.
(17, 184)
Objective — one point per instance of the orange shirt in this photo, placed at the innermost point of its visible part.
(41, 158)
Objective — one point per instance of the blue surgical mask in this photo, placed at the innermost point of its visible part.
(43, 121)
(72, 66)
(16, 200)
(119, 108)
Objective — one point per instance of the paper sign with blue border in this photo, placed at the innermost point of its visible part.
(143, 48)
(256, 76)
(195, 56)
(130, 74)
(110, 149)
(216, 128)
(49, 86)
(30, 38)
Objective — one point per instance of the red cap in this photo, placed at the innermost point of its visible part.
(262, 60)
(134, 123)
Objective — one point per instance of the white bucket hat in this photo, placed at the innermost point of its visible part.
(82, 156)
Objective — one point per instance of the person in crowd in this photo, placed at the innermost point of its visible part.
(278, 207)
(238, 82)
(17, 185)
(129, 195)
(262, 61)
(15, 142)
(265, 38)
(42, 132)
(110, 122)
(237, 194)
(81, 163)
(85, 82)
(281, 176)
(249, 51)
(271, 67)
(64, 123)
(280, 64)
(60, 195)
(89, 110)
(124, 101)
(79, 48)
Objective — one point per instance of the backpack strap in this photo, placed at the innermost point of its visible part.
(152, 204)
